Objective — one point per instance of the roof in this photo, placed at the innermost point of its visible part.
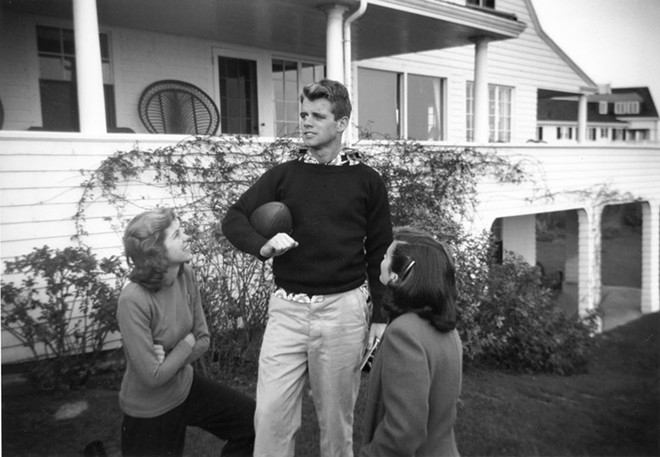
(647, 107)
(566, 108)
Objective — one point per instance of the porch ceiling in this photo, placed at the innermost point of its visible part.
(389, 27)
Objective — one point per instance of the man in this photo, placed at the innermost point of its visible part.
(324, 271)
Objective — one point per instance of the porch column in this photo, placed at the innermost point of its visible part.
(334, 53)
(89, 72)
(650, 257)
(481, 90)
(519, 236)
(589, 277)
(582, 119)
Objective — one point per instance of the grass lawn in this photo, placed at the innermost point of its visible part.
(613, 410)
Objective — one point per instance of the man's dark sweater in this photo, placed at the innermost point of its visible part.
(341, 220)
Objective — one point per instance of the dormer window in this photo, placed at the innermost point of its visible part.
(602, 108)
(482, 3)
(626, 107)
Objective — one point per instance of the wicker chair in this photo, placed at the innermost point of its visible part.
(170, 106)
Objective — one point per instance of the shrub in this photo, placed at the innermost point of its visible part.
(62, 311)
(524, 329)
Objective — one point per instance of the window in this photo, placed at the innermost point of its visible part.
(592, 134)
(400, 105)
(482, 3)
(289, 77)
(618, 135)
(626, 107)
(604, 132)
(239, 113)
(499, 113)
(424, 102)
(57, 80)
(602, 108)
(379, 109)
(469, 110)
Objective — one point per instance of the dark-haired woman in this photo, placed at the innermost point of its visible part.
(416, 377)
(164, 330)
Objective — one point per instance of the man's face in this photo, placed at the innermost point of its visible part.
(319, 128)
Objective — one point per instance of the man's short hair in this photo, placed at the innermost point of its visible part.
(333, 91)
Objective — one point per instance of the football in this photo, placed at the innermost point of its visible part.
(271, 218)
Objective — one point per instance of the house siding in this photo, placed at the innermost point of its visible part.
(41, 175)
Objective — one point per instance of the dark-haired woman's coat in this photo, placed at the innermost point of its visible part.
(414, 386)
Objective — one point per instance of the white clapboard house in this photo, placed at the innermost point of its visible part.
(77, 77)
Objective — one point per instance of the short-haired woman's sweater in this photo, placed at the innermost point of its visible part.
(146, 318)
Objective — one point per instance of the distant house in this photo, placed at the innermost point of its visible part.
(77, 80)
(613, 115)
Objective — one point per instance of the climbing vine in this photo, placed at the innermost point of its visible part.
(432, 187)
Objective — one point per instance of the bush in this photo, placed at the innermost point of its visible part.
(505, 316)
(524, 330)
(62, 311)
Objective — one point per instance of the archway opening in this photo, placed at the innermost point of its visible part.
(621, 263)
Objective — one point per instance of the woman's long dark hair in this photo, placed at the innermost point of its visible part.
(145, 249)
(426, 283)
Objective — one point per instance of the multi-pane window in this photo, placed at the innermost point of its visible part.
(239, 110)
(57, 79)
(469, 111)
(618, 135)
(289, 77)
(482, 3)
(400, 105)
(626, 107)
(499, 112)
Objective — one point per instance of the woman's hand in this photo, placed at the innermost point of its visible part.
(160, 352)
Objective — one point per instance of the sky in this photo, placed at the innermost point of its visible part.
(614, 42)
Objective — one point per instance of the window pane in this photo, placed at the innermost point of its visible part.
(424, 108)
(68, 44)
(51, 67)
(378, 109)
(48, 40)
(311, 72)
(105, 50)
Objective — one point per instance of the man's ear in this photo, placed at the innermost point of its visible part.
(342, 124)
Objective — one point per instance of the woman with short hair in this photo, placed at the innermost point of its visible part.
(164, 330)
